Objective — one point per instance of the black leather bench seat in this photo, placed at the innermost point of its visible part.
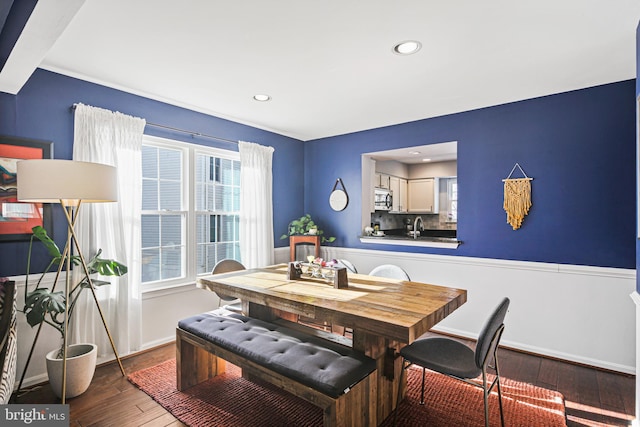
(327, 367)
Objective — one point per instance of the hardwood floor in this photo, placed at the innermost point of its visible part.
(593, 397)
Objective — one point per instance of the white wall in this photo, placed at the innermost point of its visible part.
(392, 167)
(577, 313)
(428, 170)
(161, 311)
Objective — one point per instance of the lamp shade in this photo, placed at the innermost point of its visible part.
(50, 181)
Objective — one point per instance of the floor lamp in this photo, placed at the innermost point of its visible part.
(69, 183)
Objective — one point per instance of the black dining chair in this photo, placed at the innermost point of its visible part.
(456, 360)
(348, 265)
(227, 266)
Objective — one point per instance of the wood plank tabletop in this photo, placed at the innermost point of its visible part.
(389, 308)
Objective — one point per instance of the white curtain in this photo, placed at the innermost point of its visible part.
(102, 136)
(256, 206)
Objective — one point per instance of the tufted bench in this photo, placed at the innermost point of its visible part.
(329, 375)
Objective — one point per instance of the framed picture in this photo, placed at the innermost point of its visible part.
(18, 218)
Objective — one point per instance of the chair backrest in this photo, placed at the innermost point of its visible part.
(390, 271)
(227, 266)
(348, 265)
(490, 333)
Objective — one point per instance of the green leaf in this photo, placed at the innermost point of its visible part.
(109, 267)
(106, 267)
(98, 283)
(40, 302)
(41, 234)
(43, 306)
(302, 225)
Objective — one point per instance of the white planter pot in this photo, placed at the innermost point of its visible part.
(81, 365)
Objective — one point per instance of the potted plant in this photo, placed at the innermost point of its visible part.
(305, 226)
(43, 305)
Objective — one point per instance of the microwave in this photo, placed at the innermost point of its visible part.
(383, 199)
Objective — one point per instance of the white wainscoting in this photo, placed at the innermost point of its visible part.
(577, 313)
(161, 310)
(48, 340)
(635, 297)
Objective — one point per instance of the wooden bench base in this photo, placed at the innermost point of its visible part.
(198, 360)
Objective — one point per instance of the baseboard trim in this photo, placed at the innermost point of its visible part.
(635, 297)
(157, 343)
(544, 356)
(543, 352)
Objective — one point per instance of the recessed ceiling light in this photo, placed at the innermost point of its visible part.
(407, 47)
(426, 160)
(262, 97)
(414, 152)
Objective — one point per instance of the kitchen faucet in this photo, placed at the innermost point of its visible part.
(416, 233)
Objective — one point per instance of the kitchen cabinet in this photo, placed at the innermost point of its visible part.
(382, 181)
(368, 182)
(403, 205)
(398, 187)
(423, 195)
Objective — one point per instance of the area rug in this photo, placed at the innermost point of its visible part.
(231, 401)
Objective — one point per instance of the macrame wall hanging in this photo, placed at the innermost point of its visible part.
(517, 197)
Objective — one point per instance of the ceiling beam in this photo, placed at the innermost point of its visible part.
(45, 25)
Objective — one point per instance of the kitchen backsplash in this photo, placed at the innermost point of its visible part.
(389, 221)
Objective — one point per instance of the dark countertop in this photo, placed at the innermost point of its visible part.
(436, 236)
(400, 232)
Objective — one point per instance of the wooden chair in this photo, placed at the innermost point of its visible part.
(227, 266)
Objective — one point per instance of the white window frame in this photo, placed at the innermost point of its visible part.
(189, 153)
(451, 200)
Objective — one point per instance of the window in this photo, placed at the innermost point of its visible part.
(452, 200)
(190, 210)
(217, 206)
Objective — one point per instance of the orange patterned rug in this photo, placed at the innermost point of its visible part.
(231, 401)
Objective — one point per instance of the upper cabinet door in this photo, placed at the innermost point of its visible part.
(398, 187)
(403, 204)
(422, 195)
(382, 181)
(394, 186)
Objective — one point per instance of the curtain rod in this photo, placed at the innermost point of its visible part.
(202, 135)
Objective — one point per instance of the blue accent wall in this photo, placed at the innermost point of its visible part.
(42, 110)
(578, 146)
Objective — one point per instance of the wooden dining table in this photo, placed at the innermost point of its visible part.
(383, 314)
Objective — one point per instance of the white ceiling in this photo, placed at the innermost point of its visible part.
(328, 65)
